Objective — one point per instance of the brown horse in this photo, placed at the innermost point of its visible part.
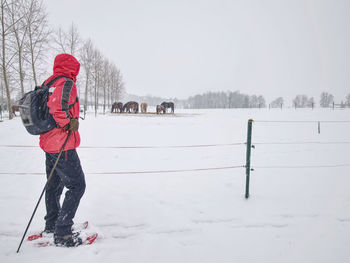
(144, 107)
(131, 106)
(117, 107)
(160, 109)
(14, 109)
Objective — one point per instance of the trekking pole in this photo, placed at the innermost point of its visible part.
(42, 193)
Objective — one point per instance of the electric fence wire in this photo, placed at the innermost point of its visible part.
(186, 146)
(141, 172)
(299, 166)
(301, 142)
(299, 121)
(137, 147)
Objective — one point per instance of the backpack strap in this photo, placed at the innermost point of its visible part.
(54, 80)
(51, 82)
(71, 106)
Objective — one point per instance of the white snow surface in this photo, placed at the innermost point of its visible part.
(292, 214)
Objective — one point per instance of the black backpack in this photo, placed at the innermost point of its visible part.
(35, 113)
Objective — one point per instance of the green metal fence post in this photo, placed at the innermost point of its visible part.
(319, 127)
(249, 147)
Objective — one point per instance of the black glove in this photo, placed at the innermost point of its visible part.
(73, 125)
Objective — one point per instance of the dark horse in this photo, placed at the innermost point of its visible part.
(131, 106)
(167, 105)
(14, 109)
(117, 107)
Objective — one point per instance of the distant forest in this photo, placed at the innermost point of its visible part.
(229, 99)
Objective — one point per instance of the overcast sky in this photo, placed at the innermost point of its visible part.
(183, 47)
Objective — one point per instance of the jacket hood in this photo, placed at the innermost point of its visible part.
(66, 65)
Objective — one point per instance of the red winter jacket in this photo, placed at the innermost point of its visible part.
(60, 103)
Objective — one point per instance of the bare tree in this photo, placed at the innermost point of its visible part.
(310, 103)
(300, 101)
(113, 80)
(7, 51)
(326, 99)
(38, 34)
(105, 82)
(347, 100)
(60, 40)
(235, 99)
(74, 40)
(109, 86)
(277, 103)
(68, 42)
(17, 14)
(86, 61)
(97, 68)
(253, 101)
(118, 86)
(261, 102)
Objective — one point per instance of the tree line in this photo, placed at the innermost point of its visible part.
(28, 44)
(236, 99)
(302, 101)
(224, 100)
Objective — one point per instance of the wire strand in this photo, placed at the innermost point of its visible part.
(161, 147)
(136, 147)
(144, 172)
(299, 121)
(305, 142)
(181, 146)
(300, 166)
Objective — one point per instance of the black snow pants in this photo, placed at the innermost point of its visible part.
(69, 174)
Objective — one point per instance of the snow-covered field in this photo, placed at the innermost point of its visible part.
(294, 214)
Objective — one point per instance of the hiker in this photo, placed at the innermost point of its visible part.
(64, 107)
